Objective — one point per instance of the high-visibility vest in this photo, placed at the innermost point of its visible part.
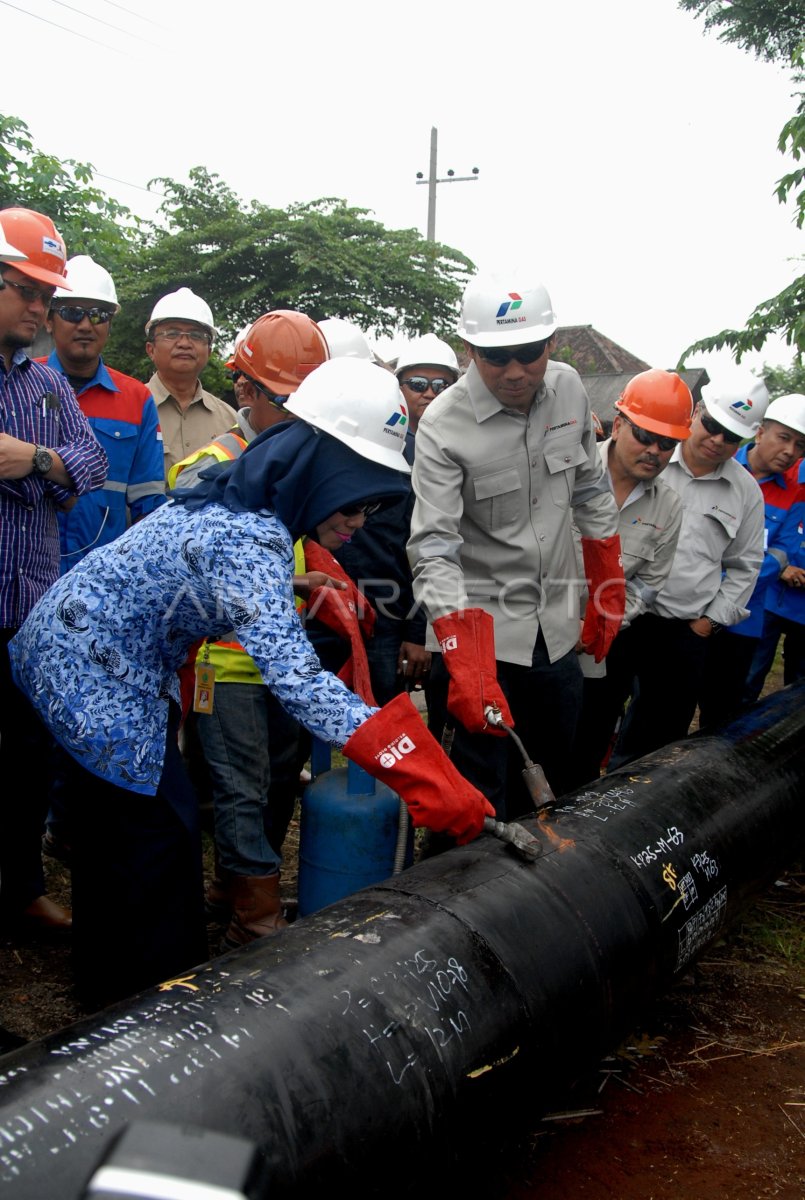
(225, 448)
(232, 663)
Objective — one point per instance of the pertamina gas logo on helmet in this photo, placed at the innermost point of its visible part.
(508, 307)
(397, 422)
(396, 751)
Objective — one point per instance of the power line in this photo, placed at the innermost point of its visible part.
(64, 28)
(139, 16)
(125, 183)
(108, 24)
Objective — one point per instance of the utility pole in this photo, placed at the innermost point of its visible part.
(432, 180)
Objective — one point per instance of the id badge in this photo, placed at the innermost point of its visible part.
(205, 688)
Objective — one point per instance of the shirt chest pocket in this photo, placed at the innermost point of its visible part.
(713, 530)
(561, 460)
(637, 548)
(118, 438)
(498, 498)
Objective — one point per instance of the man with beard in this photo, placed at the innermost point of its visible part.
(48, 457)
(120, 410)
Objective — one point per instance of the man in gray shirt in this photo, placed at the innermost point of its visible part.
(506, 461)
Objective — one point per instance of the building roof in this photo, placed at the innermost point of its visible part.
(592, 353)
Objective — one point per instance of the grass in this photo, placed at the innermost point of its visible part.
(774, 927)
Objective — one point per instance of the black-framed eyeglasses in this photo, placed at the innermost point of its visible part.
(501, 356)
(714, 429)
(175, 335)
(646, 438)
(365, 510)
(28, 293)
(419, 384)
(75, 314)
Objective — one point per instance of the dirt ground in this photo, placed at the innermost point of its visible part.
(706, 1098)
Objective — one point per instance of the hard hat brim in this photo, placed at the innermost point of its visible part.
(510, 336)
(42, 275)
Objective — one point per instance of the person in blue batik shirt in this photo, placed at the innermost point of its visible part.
(98, 658)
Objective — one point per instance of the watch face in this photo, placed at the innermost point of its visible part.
(42, 461)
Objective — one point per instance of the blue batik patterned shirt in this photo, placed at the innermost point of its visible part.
(98, 654)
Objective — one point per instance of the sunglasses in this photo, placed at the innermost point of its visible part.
(714, 429)
(277, 401)
(75, 314)
(174, 335)
(365, 510)
(28, 293)
(503, 356)
(646, 438)
(419, 384)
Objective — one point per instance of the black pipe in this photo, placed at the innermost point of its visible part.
(352, 1043)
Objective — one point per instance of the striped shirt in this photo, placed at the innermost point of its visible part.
(38, 406)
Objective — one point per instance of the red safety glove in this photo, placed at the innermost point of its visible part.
(396, 747)
(348, 613)
(605, 608)
(467, 642)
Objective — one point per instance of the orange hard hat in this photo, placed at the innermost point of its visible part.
(658, 401)
(280, 350)
(40, 241)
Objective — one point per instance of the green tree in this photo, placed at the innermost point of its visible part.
(782, 381)
(773, 31)
(324, 258)
(89, 221)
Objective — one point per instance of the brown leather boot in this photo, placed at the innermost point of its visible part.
(256, 908)
(217, 893)
(45, 914)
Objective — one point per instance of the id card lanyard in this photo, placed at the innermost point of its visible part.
(205, 681)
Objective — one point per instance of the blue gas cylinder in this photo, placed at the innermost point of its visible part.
(348, 834)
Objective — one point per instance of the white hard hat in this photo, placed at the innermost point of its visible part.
(88, 281)
(345, 340)
(182, 305)
(427, 351)
(496, 313)
(358, 404)
(788, 410)
(738, 403)
(9, 253)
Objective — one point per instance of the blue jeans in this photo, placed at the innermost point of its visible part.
(383, 652)
(774, 627)
(250, 747)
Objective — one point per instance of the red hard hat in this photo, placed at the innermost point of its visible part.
(658, 401)
(280, 350)
(40, 241)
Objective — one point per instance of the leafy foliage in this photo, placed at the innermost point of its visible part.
(782, 381)
(770, 29)
(324, 257)
(89, 221)
(773, 30)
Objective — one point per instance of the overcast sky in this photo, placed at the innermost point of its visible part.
(624, 157)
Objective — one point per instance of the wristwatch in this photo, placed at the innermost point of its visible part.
(42, 460)
(714, 625)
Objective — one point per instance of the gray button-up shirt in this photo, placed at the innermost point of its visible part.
(720, 548)
(496, 493)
